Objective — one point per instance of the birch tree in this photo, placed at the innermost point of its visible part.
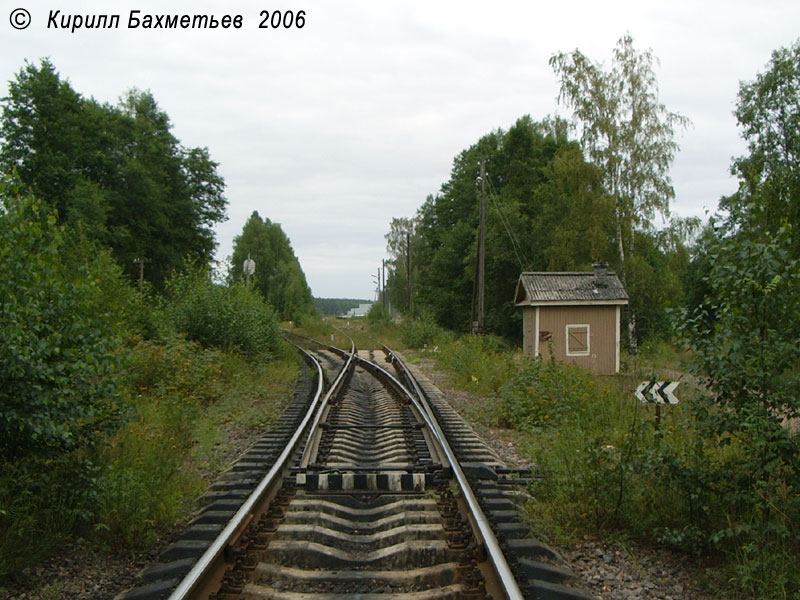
(768, 111)
(628, 134)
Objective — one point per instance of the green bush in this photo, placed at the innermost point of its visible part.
(422, 332)
(543, 393)
(477, 363)
(181, 400)
(57, 352)
(378, 315)
(230, 317)
(603, 467)
(743, 339)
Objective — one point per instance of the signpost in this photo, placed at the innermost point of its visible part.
(658, 393)
(249, 268)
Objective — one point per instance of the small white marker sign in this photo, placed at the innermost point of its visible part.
(658, 392)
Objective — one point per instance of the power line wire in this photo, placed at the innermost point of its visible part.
(515, 245)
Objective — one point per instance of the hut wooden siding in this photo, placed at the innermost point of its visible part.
(575, 314)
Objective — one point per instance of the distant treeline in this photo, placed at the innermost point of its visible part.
(331, 307)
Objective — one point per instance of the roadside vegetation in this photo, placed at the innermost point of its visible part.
(117, 401)
(125, 386)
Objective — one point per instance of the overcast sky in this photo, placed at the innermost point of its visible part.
(333, 129)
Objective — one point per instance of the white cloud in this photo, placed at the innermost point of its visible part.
(334, 129)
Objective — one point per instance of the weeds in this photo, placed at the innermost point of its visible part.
(477, 364)
(608, 470)
(177, 400)
(182, 395)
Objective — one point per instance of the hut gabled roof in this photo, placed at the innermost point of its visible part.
(565, 288)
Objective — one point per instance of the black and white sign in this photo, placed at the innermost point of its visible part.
(659, 392)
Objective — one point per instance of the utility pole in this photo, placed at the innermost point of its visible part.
(479, 288)
(383, 281)
(140, 262)
(408, 272)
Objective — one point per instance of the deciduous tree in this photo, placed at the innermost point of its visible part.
(768, 111)
(58, 374)
(628, 134)
(116, 174)
(278, 276)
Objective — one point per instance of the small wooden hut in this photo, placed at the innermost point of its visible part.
(574, 316)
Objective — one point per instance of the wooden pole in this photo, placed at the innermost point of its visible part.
(408, 274)
(480, 284)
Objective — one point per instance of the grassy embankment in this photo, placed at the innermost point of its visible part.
(188, 411)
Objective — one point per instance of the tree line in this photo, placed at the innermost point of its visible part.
(333, 307)
(92, 197)
(560, 201)
(116, 176)
(113, 174)
(98, 357)
(547, 210)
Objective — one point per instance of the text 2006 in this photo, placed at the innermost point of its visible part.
(276, 19)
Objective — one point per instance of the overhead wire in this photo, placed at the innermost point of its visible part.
(515, 245)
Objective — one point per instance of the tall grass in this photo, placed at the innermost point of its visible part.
(607, 468)
(179, 402)
(182, 397)
(480, 364)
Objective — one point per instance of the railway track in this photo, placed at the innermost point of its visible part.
(369, 486)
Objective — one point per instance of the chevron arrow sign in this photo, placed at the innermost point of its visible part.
(658, 392)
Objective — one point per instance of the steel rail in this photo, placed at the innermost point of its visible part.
(335, 386)
(196, 574)
(494, 552)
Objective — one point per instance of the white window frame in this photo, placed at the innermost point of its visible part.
(588, 350)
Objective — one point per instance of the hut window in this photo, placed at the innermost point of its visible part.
(577, 340)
